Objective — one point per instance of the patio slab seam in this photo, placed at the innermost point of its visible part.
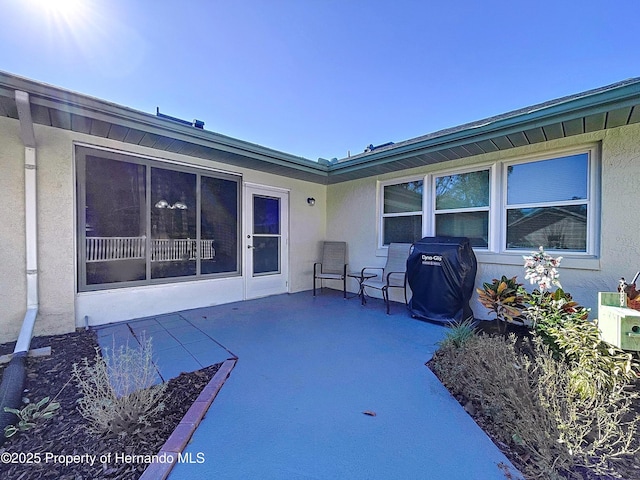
(233, 355)
(178, 440)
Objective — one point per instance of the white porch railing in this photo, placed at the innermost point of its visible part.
(101, 249)
(104, 249)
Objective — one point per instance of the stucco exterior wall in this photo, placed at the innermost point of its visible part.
(56, 212)
(354, 203)
(57, 236)
(345, 211)
(13, 285)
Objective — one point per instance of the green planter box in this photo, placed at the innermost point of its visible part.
(618, 324)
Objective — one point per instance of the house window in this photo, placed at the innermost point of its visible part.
(142, 221)
(548, 203)
(402, 212)
(503, 208)
(462, 206)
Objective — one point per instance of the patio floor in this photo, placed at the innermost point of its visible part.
(307, 368)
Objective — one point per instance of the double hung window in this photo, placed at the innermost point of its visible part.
(402, 212)
(547, 203)
(507, 206)
(462, 206)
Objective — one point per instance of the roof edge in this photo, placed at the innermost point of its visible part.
(553, 109)
(78, 103)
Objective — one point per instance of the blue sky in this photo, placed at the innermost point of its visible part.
(319, 78)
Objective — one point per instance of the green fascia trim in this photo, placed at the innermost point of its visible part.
(624, 96)
(83, 105)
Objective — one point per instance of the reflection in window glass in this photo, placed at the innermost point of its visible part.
(266, 215)
(266, 255)
(464, 190)
(115, 221)
(402, 212)
(555, 196)
(554, 180)
(462, 206)
(219, 225)
(138, 222)
(173, 223)
(405, 229)
(403, 197)
(474, 225)
(556, 228)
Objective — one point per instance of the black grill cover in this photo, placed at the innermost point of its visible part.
(441, 272)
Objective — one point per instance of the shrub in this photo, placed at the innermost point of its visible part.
(459, 333)
(596, 365)
(529, 405)
(562, 324)
(118, 395)
(505, 298)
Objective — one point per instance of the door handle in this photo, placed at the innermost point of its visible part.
(250, 246)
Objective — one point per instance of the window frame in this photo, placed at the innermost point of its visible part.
(381, 215)
(434, 211)
(592, 200)
(82, 151)
(497, 251)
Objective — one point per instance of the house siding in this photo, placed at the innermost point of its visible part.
(355, 202)
(13, 285)
(59, 308)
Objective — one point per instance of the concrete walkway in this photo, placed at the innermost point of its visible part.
(308, 368)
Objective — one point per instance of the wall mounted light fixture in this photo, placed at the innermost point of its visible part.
(311, 201)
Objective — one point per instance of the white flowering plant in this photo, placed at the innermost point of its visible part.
(542, 268)
(547, 307)
(512, 304)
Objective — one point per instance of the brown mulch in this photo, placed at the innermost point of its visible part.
(66, 433)
(628, 467)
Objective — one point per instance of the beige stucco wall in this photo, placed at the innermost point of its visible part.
(12, 231)
(345, 211)
(56, 220)
(354, 203)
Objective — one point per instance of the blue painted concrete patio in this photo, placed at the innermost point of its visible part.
(307, 369)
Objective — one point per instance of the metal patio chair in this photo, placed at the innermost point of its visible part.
(394, 273)
(333, 265)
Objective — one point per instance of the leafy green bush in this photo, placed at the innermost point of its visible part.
(30, 415)
(595, 365)
(528, 404)
(118, 392)
(562, 324)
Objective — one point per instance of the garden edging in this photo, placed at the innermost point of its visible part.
(178, 440)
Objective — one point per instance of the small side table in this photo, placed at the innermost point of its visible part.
(361, 277)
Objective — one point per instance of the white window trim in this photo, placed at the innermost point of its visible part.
(497, 253)
(592, 201)
(380, 215)
(431, 213)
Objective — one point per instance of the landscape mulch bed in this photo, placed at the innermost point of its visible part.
(628, 467)
(66, 432)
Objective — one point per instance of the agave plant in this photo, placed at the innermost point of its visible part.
(504, 297)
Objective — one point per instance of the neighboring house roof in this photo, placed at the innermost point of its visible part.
(606, 107)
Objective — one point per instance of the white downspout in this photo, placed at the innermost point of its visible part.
(31, 220)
